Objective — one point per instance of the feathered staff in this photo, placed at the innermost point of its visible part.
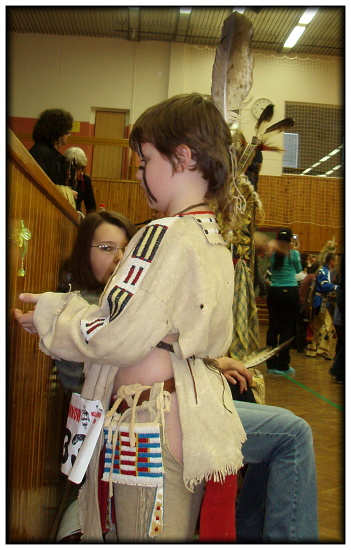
(231, 82)
(233, 64)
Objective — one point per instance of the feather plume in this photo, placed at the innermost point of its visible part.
(267, 147)
(280, 126)
(265, 116)
(261, 356)
(232, 68)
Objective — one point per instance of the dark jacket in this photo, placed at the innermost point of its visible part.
(51, 161)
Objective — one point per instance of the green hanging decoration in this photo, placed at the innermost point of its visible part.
(22, 238)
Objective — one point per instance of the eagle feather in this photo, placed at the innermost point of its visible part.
(233, 64)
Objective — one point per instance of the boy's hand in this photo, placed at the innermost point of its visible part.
(235, 372)
(26, 319)
(28, 297)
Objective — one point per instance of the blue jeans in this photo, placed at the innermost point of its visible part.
(278, 500)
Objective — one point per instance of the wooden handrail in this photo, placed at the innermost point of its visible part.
(29, 165)
(86, 139)
(112, 180)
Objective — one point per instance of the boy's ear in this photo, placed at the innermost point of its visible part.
(183, 157)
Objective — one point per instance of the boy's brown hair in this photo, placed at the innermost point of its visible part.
(195, 121)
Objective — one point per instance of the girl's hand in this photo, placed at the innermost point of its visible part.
(235, 372)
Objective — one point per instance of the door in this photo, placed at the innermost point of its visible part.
(107, 159)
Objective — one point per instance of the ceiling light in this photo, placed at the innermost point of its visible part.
(307, 16)
(329, 172)
(337, 167)
(335, 151)
(239, 10)
(185, 11)
(294, 36)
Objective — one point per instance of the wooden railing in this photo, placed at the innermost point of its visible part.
(36, 403)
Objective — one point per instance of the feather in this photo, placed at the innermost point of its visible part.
(232, 68)
(280, 126)
(265, 116)
(267, 147)
(261, 356)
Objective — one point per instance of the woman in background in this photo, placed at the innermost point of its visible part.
(283, 300)
(78, 179)
(49, 133)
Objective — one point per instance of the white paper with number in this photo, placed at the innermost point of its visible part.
(84, 424)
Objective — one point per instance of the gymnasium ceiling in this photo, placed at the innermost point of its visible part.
(201, 25)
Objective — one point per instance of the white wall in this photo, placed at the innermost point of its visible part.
(80, 73)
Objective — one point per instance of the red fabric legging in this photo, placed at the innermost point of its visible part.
(217, 516)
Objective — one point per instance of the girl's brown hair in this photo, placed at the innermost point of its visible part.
(77, 268)
(193, 120)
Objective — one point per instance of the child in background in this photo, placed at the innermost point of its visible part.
(99, 246)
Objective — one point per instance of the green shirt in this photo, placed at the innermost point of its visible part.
(286, 276)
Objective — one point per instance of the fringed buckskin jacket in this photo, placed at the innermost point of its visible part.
(176, 276)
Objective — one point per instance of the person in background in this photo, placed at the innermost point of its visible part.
(79, 180)
(282, 301)
(306, 290)
(338, 368)
(49, 133)
(322, 324)
(88, 268)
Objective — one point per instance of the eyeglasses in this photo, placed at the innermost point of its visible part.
(108, 248)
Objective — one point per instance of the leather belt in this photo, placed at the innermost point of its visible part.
(168, 385)
(164, 345)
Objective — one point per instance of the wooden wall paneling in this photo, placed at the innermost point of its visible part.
(120, 198)
(272, 191)
(36, 404)
(299, 205)
(101, 192)
(312, 207)
(126, 197)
